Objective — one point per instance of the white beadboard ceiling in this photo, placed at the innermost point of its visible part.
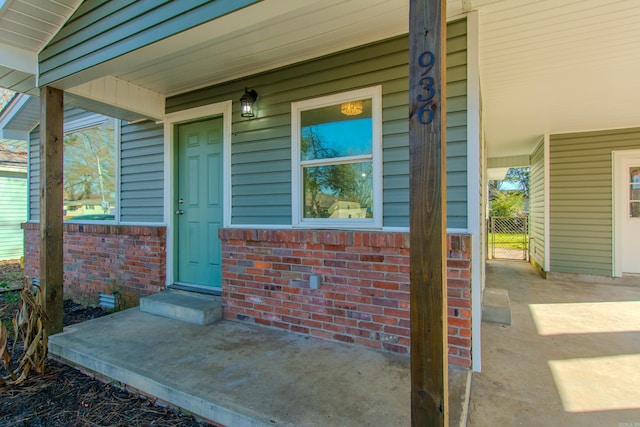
(30, 24)
(556, 66)
(546, 66)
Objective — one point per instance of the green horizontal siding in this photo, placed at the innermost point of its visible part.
(142, 172)
(581, 212)
(13, 212)
(537, 205)
(100, 31)
(261, 147)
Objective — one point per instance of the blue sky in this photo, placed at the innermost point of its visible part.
(347, 137)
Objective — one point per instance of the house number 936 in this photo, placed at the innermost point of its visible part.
(427, 103)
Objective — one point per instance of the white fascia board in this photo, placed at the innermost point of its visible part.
(18, 59)
(473, 183)
(124, 95)
(8, 114)
(547, 202)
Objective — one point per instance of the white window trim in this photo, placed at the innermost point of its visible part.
(298, 221)
(88, 122)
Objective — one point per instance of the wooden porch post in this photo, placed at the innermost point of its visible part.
(51, 202)
(427, 136)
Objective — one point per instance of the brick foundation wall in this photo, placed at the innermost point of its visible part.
(364, 294)
(105, 258)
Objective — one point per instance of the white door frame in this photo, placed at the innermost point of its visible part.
(618, 193)
(170, 122)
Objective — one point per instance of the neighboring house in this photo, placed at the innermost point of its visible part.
(13, 198)
(317, 181)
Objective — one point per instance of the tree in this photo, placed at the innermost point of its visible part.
(507, 203)
(343, 181)
(89, 164)
(6, 96)
(520, 178)
(507, 197)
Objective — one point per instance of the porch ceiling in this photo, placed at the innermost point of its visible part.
(25, 27)
(545, 66)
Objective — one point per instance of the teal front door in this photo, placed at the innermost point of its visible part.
(198, 207)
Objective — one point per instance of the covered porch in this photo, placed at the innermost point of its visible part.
(236, 374)
(531, 57)
(569, 358)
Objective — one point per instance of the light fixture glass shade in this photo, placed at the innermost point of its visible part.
(352, 108)
(246, 103)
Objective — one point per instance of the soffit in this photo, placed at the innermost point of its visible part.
(546, 66)
(30, 24)
(556, 66)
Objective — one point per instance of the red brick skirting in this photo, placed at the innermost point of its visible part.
(105, 258)
(364, 294)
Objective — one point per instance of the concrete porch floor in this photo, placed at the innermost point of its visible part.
(244, 375)
(571, 356)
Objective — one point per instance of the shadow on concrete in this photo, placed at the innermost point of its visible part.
(571, 356)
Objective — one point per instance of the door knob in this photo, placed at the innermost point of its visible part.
(179, 212)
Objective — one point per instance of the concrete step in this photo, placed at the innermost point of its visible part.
(496, 306)
(194, 308)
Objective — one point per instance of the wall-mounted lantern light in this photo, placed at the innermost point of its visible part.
(246, 103)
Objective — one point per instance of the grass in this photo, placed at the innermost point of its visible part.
(509, 240)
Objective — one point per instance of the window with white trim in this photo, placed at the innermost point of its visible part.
(90, 168)
(336, 160)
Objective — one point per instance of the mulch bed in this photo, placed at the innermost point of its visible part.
(64, 396)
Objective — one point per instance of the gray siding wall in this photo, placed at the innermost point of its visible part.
(261, 147)
(536, 205)
(13, 212)
(100, 30)
(142, 172)
(141, 169)
(581, 215)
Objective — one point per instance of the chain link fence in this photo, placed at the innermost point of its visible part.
(509, 237)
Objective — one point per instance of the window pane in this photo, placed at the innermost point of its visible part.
(336, 131)
(634, 192)
(89, 173)
(634, 180)
(338, 191)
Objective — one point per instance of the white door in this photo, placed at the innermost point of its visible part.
(627, 212)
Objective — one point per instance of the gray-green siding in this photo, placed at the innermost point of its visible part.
(581, 214)
(142, 172)
(100, 30)
(13, 212)
(261, 147)
(536, 205)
